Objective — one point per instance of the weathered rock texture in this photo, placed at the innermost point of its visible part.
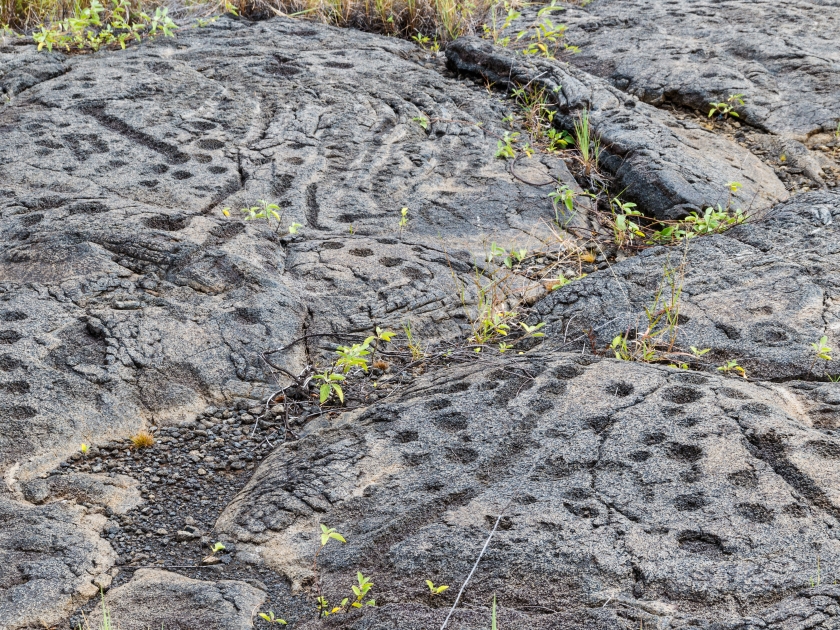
(155, 599)
(632, 494)
(759, 294)
(686, 493)
(49, 558)
(128, 297)
(782, 56)
(668, 167)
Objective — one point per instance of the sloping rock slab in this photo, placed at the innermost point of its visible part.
(782, 56)
(114, 172)
(760, 293)
(623, 485)
(667, 166)
(155, 599)
(49, 557)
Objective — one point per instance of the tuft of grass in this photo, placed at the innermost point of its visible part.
(106, 623)
(143, 439)
(442, 20)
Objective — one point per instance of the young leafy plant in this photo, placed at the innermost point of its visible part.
(727, 107)
(732, 366)
(329, 385)
(270, 618)
(504, 146)
(822, 349)
(435, 590)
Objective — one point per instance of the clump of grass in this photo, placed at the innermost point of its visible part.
(143, 439)
(442, 20)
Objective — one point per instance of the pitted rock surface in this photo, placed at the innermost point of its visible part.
(632, 494)
(686, 493)
(113, 185)
(759, 294)
(782, 56)
(669, 167)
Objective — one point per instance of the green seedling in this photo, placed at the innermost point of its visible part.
(216, 548)
(565, 196)
(822, 349)
(422, 121)
(504, 146)
(435, 590)
(532, 331)
(504, 347)
(727, 107)
(329, 386)
(697, 352)
(403, 219)
(270, 618)
(361, 592)
(294, 227)
(414, 346)
(493, 623)
(732, 366)
(84, 448)
(515, 255)
(327, 534)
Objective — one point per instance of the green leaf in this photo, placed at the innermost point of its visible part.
(325, 392)
(336, 536)
(338, 391)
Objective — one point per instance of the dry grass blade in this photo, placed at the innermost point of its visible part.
(143, 439)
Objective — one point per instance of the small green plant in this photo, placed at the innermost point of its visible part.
(270, 618)
(732, 366)
(833, 379)
(588, 145)
(727, 107)
(426, 42)
(564, 196)
(493, 623)
(494, 31)
(106, 623)
(545, 38)
(327, 534)
(403, 219)
(698, 352)
(532, 331)
(422, 121)
(713, 220)
(508, 258)
(294, 227)
(84, 448)
(822, 349)
(504, 146)
(216, 548)
(329, 385)
(656, 342)
(361, 592)
(435, 590)
(625, 229)
(414, 346)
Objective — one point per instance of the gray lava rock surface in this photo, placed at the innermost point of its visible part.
(630, 494)
(693, 495)
(669, 167)
(759, 294)
(782, 56)
(159, 598)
